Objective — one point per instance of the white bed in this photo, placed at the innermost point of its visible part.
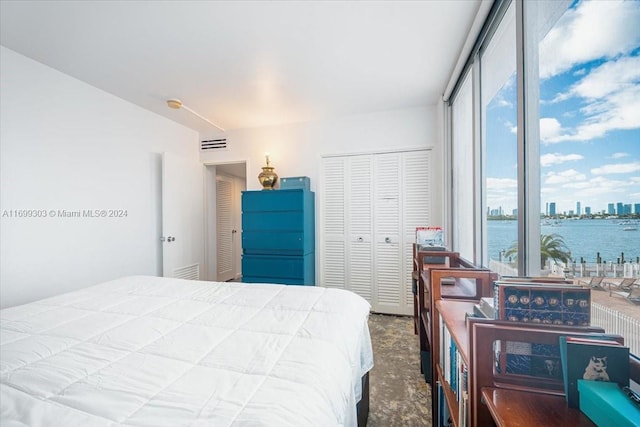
(148, 351)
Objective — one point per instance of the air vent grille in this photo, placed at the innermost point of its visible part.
(188, 272)
(213, 144)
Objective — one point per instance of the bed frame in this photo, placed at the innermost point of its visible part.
(363, 406)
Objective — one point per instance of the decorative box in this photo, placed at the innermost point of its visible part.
(551, 304)
(292, 182)
(607, 405)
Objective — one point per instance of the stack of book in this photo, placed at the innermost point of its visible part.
(595, 370)
(598, 357)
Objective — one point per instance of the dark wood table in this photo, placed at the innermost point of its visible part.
(514, 408)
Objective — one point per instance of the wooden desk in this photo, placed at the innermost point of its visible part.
(514, 408)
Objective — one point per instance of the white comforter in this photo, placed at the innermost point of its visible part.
(148, 351)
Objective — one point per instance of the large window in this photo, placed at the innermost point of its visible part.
(499, 107)
(555, 88)
(463, 176)
(589, 102)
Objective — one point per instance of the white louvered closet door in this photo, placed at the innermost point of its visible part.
(387, 237)
(416, 208)
(333, 238)
(371, 206)
(224, 228)
(359, 201)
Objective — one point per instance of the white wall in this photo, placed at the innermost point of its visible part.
(65, 145)
(296, 150)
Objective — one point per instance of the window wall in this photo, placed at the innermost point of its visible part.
(463, 198)
(499, 108)
(547, 105)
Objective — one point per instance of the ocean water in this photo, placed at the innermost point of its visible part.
(584, 238)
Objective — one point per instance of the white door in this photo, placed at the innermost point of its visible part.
(225, 227)
(371, 206)
(182, 217)
(359, 202)
(389, 286)
(333, 241)
(416, 208)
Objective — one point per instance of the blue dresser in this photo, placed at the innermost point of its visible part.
(278, 237)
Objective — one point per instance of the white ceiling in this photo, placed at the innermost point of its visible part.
(248, 64)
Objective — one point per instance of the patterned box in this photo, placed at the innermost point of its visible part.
(547, 303)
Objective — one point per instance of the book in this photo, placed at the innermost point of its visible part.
(478, 312)
(430, 236)
(598, 357)
(487, 307)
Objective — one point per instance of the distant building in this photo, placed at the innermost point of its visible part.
(578, 211)
(619, 208)
(552, 208)
(626, 209)
(636, 208)
(571, 213)
(587, 210)
(546, 209)
(514, 212)
(611, 209)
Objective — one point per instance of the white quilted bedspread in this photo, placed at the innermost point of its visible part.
(148, 351)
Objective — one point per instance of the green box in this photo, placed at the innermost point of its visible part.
(607, 405)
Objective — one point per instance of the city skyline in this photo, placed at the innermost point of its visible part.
(580, 208)
(589, 113)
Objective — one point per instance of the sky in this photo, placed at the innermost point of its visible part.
(589, 113)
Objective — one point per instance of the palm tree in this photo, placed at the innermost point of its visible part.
(552, 246)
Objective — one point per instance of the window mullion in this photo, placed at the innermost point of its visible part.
(528, 138)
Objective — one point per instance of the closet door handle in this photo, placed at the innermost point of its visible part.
(387, 239)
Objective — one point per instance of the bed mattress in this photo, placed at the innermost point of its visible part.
(148, 351)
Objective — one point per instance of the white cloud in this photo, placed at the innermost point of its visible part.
(550, 128)
(619, 155)
(569, 175)
(578, 185)
(557, 158)
(610, 77)
(573, 39)
(501, 183)
(612, 92)
(596, 192)
(616, 168)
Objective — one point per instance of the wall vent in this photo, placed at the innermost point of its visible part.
(213, 144)
(188, 272)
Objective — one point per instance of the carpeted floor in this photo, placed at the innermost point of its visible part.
(399, 396)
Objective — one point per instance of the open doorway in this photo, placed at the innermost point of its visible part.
(224, 184)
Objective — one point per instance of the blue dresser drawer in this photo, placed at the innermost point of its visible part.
(268, 221)
(272, 269)
(277, 242)
(276, 200)
(271, 280)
